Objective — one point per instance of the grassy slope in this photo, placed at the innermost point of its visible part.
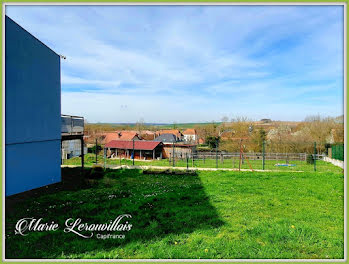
(209, 215)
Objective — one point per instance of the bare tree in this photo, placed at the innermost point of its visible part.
(140, 127)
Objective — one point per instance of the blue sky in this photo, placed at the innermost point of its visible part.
(193, 63)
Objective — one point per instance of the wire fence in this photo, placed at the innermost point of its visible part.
(242, 160)
(250, 161)
(272, 155)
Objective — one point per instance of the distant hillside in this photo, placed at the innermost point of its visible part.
(184, 125)
(130, 124)
(157, 125)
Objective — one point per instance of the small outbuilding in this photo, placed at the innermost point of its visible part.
(178, 150)
(142, 149)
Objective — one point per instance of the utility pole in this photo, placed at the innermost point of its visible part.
(133, 151)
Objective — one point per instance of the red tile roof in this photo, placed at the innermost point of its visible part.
(175, 132)
(119, 135)
(189, 131)
(139, 145)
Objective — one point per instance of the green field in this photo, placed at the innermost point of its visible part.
(220, 214)
(321, 166)
(181, 126)
(185, 125)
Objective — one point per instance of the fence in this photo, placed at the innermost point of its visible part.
(72, 125)
(249, 160)
(338, 152)
(252, 161)
(253, 155)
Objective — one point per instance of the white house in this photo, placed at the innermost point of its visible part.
(189, 135)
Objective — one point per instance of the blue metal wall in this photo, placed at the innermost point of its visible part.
(33, 108)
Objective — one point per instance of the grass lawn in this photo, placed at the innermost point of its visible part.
(321, 166)
(216, 214)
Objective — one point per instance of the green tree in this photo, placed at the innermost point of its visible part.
(212, 141)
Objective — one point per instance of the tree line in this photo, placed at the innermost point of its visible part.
(231, 135)
(282, 137)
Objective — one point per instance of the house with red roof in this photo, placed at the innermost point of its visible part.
(147, 135)
(142, 149)
(121, 135)
(176, 132)
(189, 135)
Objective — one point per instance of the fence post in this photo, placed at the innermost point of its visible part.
(173, 155)
(240, 156)
(71, 125)
(314, 156)
(186, 156)
(263, 155)
(96, 152)
(105, 157)
(216, 153)
(133, 151)
(82, 155)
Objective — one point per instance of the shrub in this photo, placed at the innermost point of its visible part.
(212, 142)
(93, 149)
(310, 159)
(112, 175)
(108, 182)
(97, 172)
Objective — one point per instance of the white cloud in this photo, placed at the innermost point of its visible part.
(193, 63)
(65, 80)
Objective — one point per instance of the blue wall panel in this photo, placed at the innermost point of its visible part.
(33, 88)
(32, 165)
(33, 111)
